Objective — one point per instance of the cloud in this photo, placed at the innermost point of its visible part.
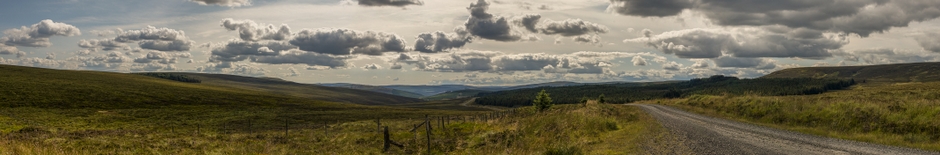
(862, 17)
(672, 65)
(105, 44)
(38, 34)
(570, 27)
(176, 45)
(432, 42)
(237, 50)
(771, 41)
(302, 57)
(888, 56)
(248, 30)
(648, 8)
(346, 42)
(699, 63)
(6, 50)
(584, 62)
(395, 66)
(151, 33)
(734, 62)
(398, 3)
(588, 39)
(232, 68)
(161, 57)
(371, 66)
(489, 26)
(930, 41)
(228, 3)
(638, 61)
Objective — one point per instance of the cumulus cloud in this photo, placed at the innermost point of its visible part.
(398, 3)
(488, 26)
(176, 45)
(152, 38)
(6, 50)
(161, 57)
(228, 3)
(638, 61)
(699, 63)
(38, 34)
(250, 31)
(570, 27)
(302, 57)
(772, 41)
(672, 65)
(105, 44)
(371, 66)
(861, 17)
(346, 42)
(233, 68)
(584, 62)
(930, 41)
(432, 42)
(588, 39)
(649, 8)
(237, 50)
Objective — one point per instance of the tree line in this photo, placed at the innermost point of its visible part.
(715, 85)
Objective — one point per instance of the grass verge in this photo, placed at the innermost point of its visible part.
(902, 114)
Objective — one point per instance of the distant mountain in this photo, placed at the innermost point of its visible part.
(912, 72)
(455, 94)
(375, 89)
(428, 90)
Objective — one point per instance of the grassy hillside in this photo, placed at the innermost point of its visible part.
(375, 89)
(901, 114)
(47, 111)
(630, 92)
(913, 72)
(309, 91)
(454, 94)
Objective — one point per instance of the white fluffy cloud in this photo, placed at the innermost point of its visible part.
(105, 44)
(38, 34)
(346, 42)
(638, 61)
(488, 61)
(248, 30)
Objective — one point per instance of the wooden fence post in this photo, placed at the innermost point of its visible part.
(286, 128)
(389, 142)
(428, 120)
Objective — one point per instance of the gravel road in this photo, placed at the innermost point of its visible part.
(708, 135)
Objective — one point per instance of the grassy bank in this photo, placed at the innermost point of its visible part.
(569, 129)
(902, 114)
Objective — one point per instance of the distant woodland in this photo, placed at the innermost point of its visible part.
(174, 77)
(715, 85)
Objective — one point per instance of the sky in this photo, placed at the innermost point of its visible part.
(473, 42)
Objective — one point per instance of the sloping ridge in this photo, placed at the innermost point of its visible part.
(310, 91)
(911, 72)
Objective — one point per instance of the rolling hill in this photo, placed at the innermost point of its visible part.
(310, 91)
(375, 89)
(912, 72)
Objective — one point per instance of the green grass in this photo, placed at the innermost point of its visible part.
(901, 114)
(82, 112)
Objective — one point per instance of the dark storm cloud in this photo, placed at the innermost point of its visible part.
(250, 31)
(488, 26)
(862, 17)
(432, 42)
(649, 8)
(38, 34)
(398, 3)
(346, 42)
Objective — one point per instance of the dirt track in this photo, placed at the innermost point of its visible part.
(708, 135)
